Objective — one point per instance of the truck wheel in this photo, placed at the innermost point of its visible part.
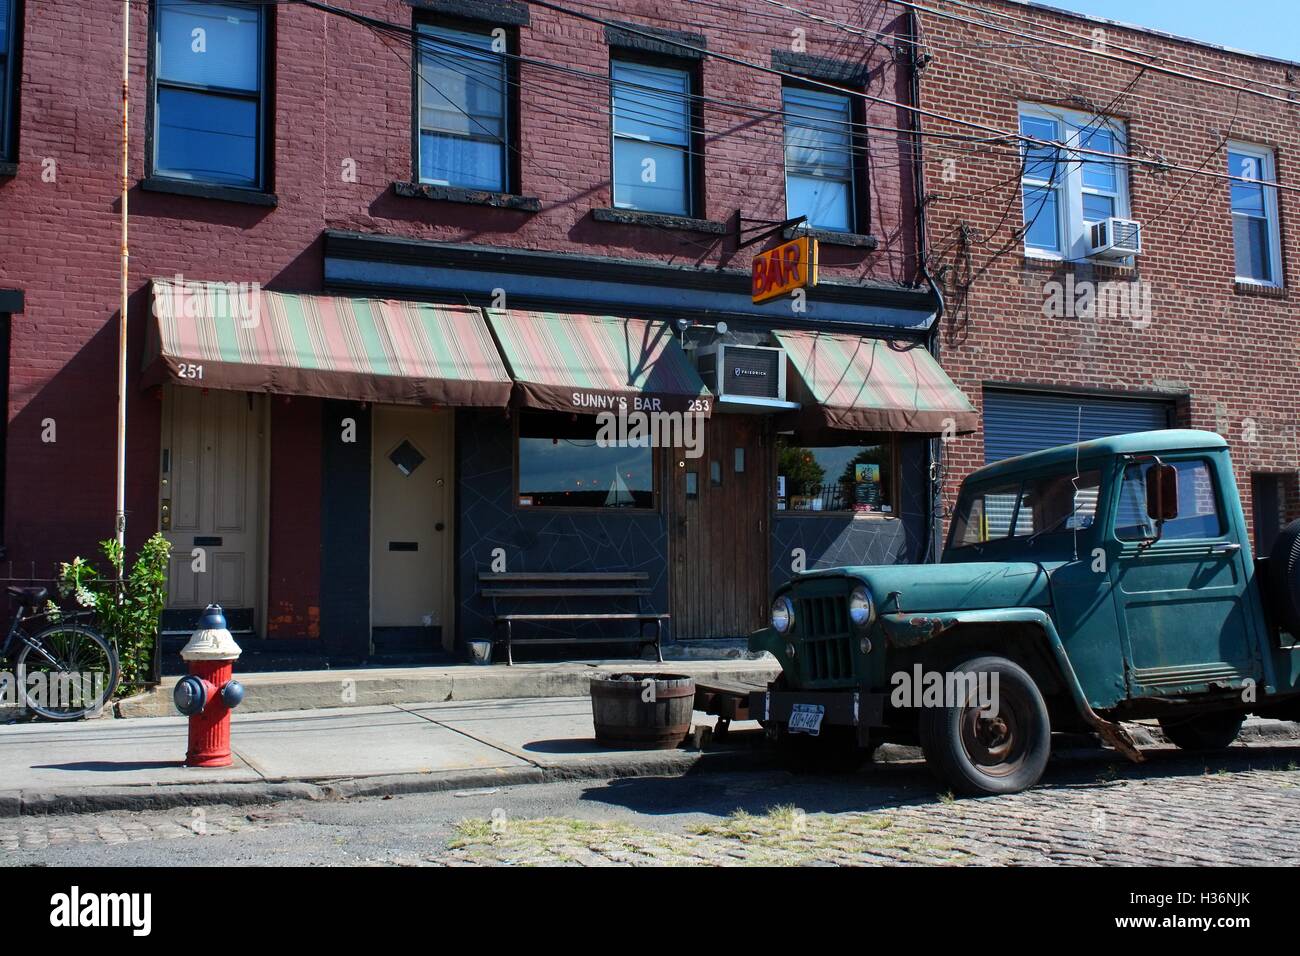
(834, 750)
(1202, 732)
(1283, 570)
(978, 755)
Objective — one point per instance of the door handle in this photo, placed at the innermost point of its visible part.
(1227, 548)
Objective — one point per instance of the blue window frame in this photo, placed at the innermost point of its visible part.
(653, 162)
(8, 77)
(463, 108)
(209, 103)
(819, 158)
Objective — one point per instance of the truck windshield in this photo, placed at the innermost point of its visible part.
(1015, 508)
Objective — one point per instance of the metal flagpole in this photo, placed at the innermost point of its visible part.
(121, 336)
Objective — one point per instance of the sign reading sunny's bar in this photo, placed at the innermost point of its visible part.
(789, 266)
(593, 364)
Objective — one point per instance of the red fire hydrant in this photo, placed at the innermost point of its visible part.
(208, 694)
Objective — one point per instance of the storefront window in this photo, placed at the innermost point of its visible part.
(830, 475)
(562, 466)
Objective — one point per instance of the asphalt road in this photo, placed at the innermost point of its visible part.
(1233, 808)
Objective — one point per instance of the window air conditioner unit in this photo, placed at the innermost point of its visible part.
(1115, 239)
(755, 373)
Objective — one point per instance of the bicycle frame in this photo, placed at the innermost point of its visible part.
(17, 635)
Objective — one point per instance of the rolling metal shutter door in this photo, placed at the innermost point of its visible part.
(1016, 423)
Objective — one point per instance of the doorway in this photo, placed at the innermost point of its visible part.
(718, 512)
(210, 505)
(411, 535)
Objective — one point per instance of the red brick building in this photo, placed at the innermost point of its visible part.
(291, 165)
(1197, 330)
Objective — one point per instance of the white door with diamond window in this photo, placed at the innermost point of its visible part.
(411, 512)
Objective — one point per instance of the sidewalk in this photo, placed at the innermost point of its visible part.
(320, 754)
(311, 690)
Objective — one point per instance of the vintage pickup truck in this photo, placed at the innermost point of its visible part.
(1081, 586)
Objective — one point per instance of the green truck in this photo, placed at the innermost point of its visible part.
(1080, 586)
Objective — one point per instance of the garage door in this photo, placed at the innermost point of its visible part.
(1019, 422)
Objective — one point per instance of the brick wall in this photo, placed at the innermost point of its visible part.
(341, 93)
(1231, 352)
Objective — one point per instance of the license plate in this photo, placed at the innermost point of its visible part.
(806, 719)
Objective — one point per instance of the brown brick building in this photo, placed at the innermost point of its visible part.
(295, 164)
(1202, 328)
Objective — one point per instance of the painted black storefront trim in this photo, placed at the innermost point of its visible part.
(8, 169)
(373, 258)
(11, 300)
(345, 531)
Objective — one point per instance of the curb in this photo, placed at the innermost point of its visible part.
(26, 803)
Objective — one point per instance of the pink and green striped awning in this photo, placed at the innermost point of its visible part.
(590, 363)
(238, 336)
(867, 384)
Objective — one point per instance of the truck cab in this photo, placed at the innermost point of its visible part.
(1080, 587)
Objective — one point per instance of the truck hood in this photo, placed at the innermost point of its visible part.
(963, 586)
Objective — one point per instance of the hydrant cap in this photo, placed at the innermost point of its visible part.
(190, 696)
(213, 618)
(211, 641)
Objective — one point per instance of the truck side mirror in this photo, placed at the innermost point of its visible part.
(1162, 492)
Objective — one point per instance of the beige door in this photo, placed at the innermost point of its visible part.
(410, 532)
(209, 500)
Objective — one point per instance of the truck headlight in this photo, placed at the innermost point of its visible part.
(782, 615)
(861, 611)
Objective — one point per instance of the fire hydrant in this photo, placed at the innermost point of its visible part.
(208, 694)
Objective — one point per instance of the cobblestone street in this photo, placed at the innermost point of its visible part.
(1232, 809)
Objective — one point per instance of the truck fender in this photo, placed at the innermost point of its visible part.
(906, 630)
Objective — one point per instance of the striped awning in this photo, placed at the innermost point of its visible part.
(868, 384)
(237, 336)
(590, 363)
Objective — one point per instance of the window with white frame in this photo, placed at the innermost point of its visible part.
(1070, 184)
(1255, 233)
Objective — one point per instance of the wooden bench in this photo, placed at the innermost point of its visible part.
(509, 588)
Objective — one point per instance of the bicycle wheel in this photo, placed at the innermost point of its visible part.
(69, 671)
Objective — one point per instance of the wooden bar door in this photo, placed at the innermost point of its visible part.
(718, 521)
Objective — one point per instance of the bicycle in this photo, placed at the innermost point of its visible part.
(65, 671)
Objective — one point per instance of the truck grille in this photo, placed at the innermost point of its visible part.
(826, 650)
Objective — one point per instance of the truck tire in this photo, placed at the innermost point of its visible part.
(1284, 578)
(1202, 732)
(977, 755)
(834, 750)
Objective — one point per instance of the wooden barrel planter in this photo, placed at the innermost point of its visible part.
(627, 714)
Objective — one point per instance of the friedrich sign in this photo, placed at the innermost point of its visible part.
(791, 265)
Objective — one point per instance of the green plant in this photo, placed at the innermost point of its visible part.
(128, 613)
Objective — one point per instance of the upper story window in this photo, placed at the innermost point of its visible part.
(819, 158)
(209, 93)
(463, 107)
(1255, 232)
(654, 167)
(1064, 189)
(8, 77)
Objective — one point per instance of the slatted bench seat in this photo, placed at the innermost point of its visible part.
(511, 590)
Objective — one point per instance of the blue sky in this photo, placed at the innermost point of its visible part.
(1271, 27)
